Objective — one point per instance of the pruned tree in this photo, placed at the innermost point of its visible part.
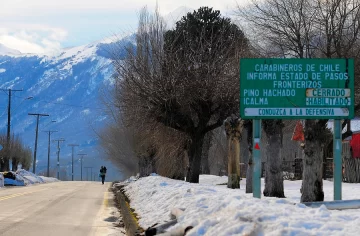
(274, 184)
(250, 168)
(186, 78)
(233, 128)
(20, 154)
(17, 150)
(26, 158)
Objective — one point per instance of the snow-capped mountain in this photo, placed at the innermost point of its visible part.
(67, 87)
(176, 15)
(8, 51)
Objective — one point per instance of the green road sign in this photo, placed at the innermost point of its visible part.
(296, 88)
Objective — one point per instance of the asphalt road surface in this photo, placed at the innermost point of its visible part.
(62, 208)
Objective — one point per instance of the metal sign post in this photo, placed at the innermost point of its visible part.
(337, 144)
(256, 158)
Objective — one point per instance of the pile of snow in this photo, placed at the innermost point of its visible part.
(49, 179)
(216, 210)
(23, 178)
(1, 180)
(30, 178)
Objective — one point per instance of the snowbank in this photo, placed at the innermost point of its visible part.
(49, 179)
(216, 210)
(23, 178)
(30, 177)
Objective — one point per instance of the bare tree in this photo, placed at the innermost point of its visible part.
(26, 158)
(233, 127)
(17, 150)
(274, 184)
(20, 154)
(187, 81)
(250, 168)
(218, 160)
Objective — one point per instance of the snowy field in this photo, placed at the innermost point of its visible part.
(215, 210)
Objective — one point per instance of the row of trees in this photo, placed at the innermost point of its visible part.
(177, 86)
(18, 153)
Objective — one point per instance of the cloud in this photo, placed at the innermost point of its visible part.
(34, 7)
(43, 26)
(32, 38)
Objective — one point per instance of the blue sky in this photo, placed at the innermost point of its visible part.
(45, 26)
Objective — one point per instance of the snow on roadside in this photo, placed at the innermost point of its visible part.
(49, 179)
(23, 178)
(217, 210)
(30, 177)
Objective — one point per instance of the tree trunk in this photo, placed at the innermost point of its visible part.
(250, 169)
(249, 175)
(233, 128)
(4, 164)
(312, 185)
(195, 158)
(15, 163)
(274, 183)
(233, 164)
(205, 169)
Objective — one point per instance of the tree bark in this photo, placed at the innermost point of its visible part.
(205, 169)
(249, 174)
(233, 128)
(274, 183)
(250, 168)
(15, 163)
(195, 158)
(233, 164)
(4, 164)
(312, 184)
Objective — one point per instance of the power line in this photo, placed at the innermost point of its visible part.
(64, 104)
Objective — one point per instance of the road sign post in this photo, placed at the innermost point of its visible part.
(257, 158)
(298, 89)
(337, 145)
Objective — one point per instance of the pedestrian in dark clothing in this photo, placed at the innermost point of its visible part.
(102, 173)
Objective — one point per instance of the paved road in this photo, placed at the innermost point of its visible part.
(62, 208)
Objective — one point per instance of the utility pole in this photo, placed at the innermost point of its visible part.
(36, 136)
(72, 160)
(58, 156)
(48, 164)
(87, 176)
(81, 163)
(8, 127)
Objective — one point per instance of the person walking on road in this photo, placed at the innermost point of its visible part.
(102, 173)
